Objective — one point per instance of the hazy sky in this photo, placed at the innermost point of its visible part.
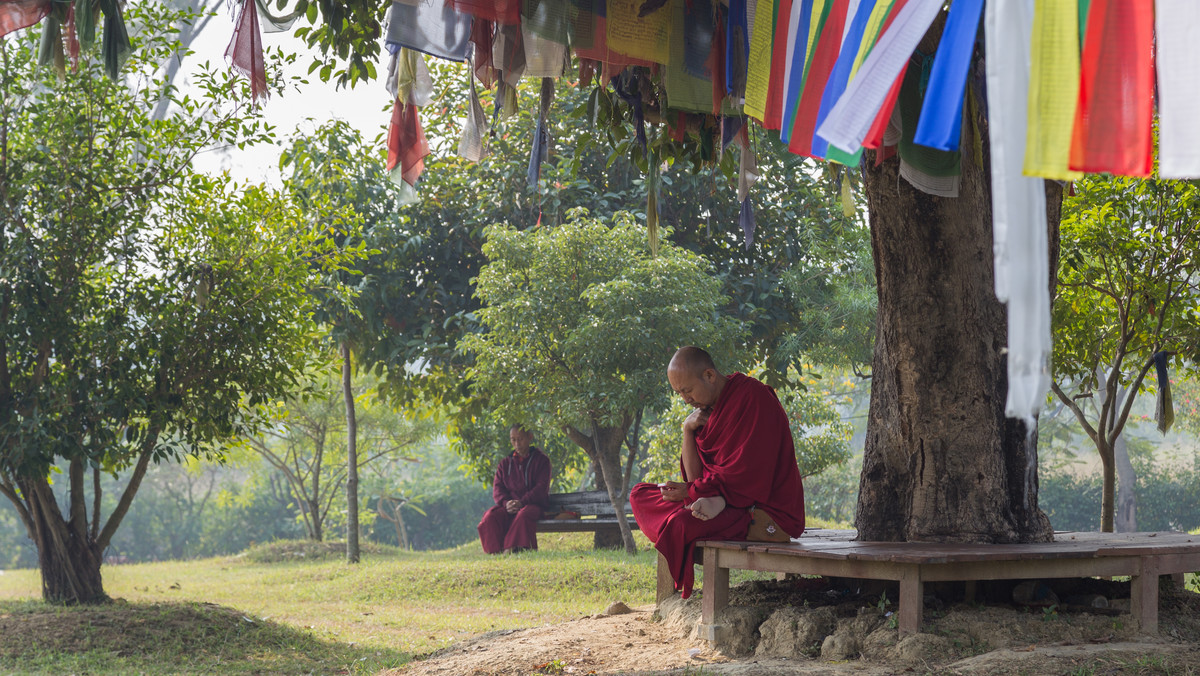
(366, 107)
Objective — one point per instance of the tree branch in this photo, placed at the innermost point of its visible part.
(135, 481)
(1079, 414)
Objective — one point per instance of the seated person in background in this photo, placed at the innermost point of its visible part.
(521, 490)
(739, 466)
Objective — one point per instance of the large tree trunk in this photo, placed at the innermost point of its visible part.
(67, 555)
(604, 448)
(351, 459)
(941, 462)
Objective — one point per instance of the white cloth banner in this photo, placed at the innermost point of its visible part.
(851, 118)
(1019, 247)
(1177, 26)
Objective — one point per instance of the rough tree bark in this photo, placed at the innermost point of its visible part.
(941, 462)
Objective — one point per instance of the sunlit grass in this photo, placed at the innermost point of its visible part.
(315, 612)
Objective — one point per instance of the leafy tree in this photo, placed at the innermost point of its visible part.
(580, 322)
(306, 444)
(141, 304)
(1127, 289)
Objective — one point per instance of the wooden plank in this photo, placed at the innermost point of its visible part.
(1144, 596)
(716, 588)
(912, 599)
(582, 498)
(666, 583)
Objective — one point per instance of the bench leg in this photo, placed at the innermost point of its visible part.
(666, 583)
(716, 592)
(1144, 596)
(912, 602)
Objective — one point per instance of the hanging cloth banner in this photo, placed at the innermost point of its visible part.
(688, 90)
(696, 29)
(406, 145)
(1178, 59)
(880, 18)
(482, 35)
(934, 171)
(940, 125)
(547, 19)
(855, 112)
(780, 51)
(593, 25)
(1116, 90)
(803, 14)
(472, 144)
(543, 58)
(1020, 247)
(18, 14)
(840, 76)
(758, 69)
(737, 50)
(508, 54)
(828, 39)
(409, 78)
(645, 38)
(434, 28)
(498, 11)
(540, 150)
(1053, 90)
(245, 51)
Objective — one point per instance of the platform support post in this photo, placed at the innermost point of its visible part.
(1144, 595)
(912, 601)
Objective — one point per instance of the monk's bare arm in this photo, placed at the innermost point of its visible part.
(691, 459)
(692, 468)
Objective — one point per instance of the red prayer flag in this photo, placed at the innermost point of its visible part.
(773, 117)
(406, 143)
(1116, 90)
(829, 43)
(18, 14)
(499, 11)
(482, 36)
(245, 51)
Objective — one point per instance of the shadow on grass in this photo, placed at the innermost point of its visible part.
(169, 638)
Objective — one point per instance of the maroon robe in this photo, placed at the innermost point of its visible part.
(527, 480)
(747, 456)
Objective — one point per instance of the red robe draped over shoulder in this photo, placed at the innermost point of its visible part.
(748, 457)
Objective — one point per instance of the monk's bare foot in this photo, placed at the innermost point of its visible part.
(707, 508)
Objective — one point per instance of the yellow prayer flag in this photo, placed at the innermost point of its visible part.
(758, 71)
(874, 26)
(645, 37)
(1053, 89)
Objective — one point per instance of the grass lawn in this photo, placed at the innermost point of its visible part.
(299, 608)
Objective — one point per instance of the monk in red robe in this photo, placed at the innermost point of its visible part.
(521, 489)
(737, 454)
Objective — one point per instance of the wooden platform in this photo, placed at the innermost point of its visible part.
(1142, 556)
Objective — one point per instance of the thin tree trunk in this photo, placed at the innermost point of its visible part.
(942, 462)
(351, 459)
(1126, 517)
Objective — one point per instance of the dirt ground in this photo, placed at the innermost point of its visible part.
(817, 627)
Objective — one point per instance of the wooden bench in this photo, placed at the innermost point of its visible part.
(595, 511)
(1141, 556)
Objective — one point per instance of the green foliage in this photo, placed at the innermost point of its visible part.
(141, 303)
(581, 320)
(1127, 276)
(1168, 498)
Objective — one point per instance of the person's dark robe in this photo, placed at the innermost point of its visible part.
(748, 457)
(525, 479)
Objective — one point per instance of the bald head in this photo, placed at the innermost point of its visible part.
(695, 377)
(691, 359)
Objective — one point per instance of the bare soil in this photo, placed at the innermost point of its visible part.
(818, 627)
